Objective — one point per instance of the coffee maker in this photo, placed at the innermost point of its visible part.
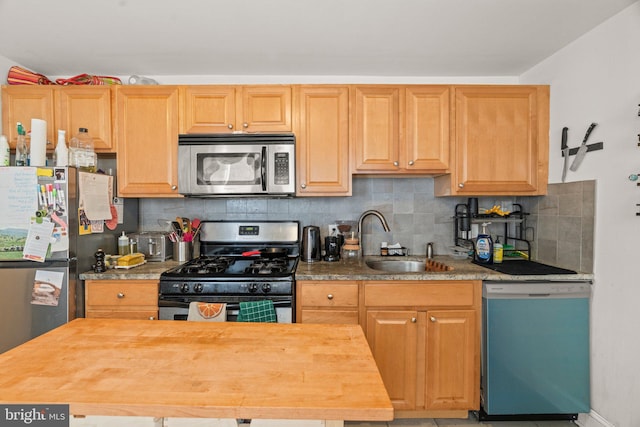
(332, 246)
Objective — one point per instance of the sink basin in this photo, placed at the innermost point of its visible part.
(401, 266)
(404, 266)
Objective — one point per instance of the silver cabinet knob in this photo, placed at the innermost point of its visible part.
(120, 295)
(245, 125)
(152, 318)
(303, 185)
(174, 187)
(230, 126)
(330, 296)
(414, 320)
(395, 163)
(461, 185)
(410, 162)
(433, 319)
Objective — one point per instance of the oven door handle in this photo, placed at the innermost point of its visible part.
(263, 168)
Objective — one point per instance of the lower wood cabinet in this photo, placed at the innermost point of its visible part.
(122, 299)
(327, 302)
(425, 338)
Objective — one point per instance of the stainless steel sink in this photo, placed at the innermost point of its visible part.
(400, 266)
(406, 266)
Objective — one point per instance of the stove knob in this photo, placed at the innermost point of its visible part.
(253, 287)
(184, 288)
(266, 287)
(198, 287)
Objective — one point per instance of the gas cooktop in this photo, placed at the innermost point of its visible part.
(523, 267)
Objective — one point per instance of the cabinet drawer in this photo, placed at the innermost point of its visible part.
(328, 294)
(330, 316)
(122, 314)
(421, 294)
(129, 293)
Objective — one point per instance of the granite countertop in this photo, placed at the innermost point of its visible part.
(461, 270)
(149, 270)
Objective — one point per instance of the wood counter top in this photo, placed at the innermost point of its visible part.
(199, 369)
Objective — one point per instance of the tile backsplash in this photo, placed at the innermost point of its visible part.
(413, 213)
(564, 222)
(560, 224)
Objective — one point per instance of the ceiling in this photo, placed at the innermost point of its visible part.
(293, 37)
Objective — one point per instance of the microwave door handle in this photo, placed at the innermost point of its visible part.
(263, 169)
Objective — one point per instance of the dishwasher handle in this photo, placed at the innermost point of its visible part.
(535, 290)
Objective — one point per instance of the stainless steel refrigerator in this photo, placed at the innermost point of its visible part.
(39, 295)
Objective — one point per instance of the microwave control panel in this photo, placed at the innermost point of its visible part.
(281, 176)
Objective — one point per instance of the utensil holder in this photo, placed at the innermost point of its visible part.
(182, 251)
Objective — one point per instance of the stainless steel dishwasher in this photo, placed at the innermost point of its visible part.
(535, 350)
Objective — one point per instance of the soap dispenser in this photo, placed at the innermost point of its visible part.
(484, 246)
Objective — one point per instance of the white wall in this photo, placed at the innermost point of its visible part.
(597, 79)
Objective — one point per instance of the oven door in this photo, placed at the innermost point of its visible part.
(169, 309)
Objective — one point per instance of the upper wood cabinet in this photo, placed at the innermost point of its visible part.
(321, 127)
(62, 107)
(86, 107)
(400, 129)
(375, 128)
(500, 141)
(224, 109)
(147, 141)
(426, 129)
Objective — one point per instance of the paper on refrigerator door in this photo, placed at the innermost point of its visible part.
(95, 195)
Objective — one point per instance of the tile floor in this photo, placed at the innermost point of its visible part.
(471, 421)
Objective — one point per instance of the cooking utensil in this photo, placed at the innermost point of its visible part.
(565, 152)
(268, 252)
(582, 151)
(177, 227)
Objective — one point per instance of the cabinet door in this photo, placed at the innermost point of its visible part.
(392, 336)
(147, 141)
(375, 128)
(23, 103)
(86, 107)
(452, 355)
(426, 133)
(207, 109)
(501, 141)
(322, 141)
(264, 109)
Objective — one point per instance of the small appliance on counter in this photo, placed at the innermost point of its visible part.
(332, 247)
(155, 246)
(311, 250)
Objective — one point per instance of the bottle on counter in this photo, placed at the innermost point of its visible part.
(5, 151)
(497, 251)
(22, 149)
(123, 244)
(484, 246)
(81, 152)
(61, 154)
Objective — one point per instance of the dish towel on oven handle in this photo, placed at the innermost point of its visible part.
(257, 311)
(207, 312)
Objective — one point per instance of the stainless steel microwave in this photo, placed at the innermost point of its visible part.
(219, 165)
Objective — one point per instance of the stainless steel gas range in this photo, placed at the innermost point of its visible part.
(239, 261)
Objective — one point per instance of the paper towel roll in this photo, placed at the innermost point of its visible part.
(38, 148)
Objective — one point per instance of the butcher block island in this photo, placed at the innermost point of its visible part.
(228, 370)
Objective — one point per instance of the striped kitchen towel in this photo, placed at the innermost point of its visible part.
(257, 311)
